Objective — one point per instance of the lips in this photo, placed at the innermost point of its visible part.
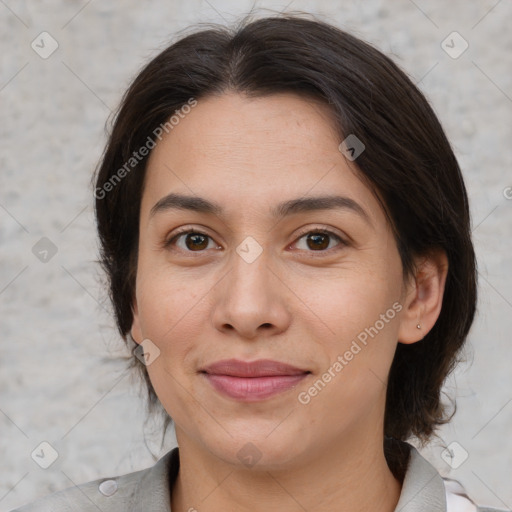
(252, 381)
(259, 368)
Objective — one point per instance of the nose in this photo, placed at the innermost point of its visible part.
(251, 300)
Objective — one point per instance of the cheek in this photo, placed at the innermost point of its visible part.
(169, 314)
(347, 303)
(361, 310)
(169, 307)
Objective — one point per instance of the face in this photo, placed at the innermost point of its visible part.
(269, 274)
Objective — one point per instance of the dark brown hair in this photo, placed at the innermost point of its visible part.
(407, 162)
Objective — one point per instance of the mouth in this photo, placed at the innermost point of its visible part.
(252, 381)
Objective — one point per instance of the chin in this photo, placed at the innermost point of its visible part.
(257, 450)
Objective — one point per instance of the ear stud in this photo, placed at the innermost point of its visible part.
(418, 326)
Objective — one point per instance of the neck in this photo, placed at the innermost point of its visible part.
(351, 476)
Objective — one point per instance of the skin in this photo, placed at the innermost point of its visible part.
(294, 303)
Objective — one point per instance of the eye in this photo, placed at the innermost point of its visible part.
(319, 240)
(194, 241)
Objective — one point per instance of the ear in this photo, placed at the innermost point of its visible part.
(424, 297)
(136, 331)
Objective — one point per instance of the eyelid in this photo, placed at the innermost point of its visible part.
(322, 229)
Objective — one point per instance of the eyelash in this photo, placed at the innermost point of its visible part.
(322, 230)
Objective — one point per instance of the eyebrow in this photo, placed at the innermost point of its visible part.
(175, 201)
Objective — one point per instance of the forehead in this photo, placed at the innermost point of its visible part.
(243, 152)
(233, 126)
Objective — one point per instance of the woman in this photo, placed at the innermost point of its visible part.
(286, 234)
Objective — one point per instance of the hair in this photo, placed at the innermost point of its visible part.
(407, 162)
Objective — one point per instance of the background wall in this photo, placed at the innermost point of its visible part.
(63, 376)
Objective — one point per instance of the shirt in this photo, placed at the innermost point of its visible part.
(149, 490)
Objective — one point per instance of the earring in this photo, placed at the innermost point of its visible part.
(418, 326)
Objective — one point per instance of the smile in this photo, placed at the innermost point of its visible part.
(252, 381)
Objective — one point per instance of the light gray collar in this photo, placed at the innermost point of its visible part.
(423, 488)
(152, 491)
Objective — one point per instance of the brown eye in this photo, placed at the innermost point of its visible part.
(194, 241)
(320, 241)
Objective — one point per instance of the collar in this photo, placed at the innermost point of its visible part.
(153, 490)
(423, 489)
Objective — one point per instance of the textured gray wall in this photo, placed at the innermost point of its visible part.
(62, 372)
